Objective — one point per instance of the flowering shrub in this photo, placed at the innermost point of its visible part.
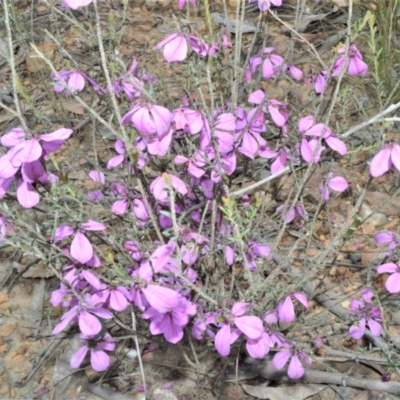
(180, 210)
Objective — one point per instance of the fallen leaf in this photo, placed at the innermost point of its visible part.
(35, 64)
(73, 106)
(297, 392)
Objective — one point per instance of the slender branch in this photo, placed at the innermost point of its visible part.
(14, 75)
(375, 118)
(259, 183)
(135, 339)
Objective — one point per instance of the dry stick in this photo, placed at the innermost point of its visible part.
(107, 394)
(376, 118)
(135, 339)
(10, 110)
(15, 279)
(313, 49)
(13, 70)
(70, 20)
(259, 183)
(44, 354)
(268, 371)
(127, 142)
(238, 47)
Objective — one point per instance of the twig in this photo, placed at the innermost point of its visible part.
(106, 394)
(44, 354)
(14, 79)
(125, 138)
(268, 371)
(313, 49)
(259, 183)
(16, 277)
(376, 118)
(135, 339)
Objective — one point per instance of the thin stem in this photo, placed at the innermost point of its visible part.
(125, 138)
(135, 339)
(14, 75)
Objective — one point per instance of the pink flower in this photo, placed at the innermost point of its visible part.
(278, 112)
(271, 63)
(367, 313)
(250, 326)
(75, 80)
(286, 309)
(182, 3)
(320, 82)
(307, 128)
(87, 317)
(201, 47)
(175, 47)
(388, 237)
(264, 5)
(296, 73)
(290, 214)
(170, 322)
(296, 369)
(355, 64)
(149, 119)
(388, 157)
(393, 282)
(26, 156)
(99, 359)
(4, 225)
(161, 185)
(337, 184)
(226, 44)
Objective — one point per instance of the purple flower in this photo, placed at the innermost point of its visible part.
(99, 359)
(171, 324)
(182, 3)
(388, 157)
(75, 81)
(289, 214)
(286, 309)
(307, 128)
(264, 5)
(24, 159)
(367, 313)
(388, 237)
(320, 82)
(175, 47)
(149, 119)
(296, 369)
(393, 282)
(86, 315)
(75, 4)
(338, 184)
(202, 48)
(250, 326)
(4, 224)
(81, 249)
(226, 44)
(161, 185)
(272, 64)
(355, 64)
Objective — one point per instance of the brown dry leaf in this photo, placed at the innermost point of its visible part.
(297, 392)
(35, 64)
(73, 106)
(37, 272)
